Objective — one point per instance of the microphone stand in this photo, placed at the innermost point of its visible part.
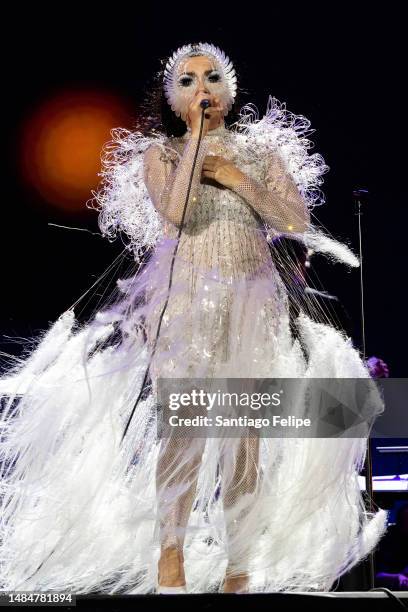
(358, 195)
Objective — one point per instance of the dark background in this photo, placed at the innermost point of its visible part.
(340, 66)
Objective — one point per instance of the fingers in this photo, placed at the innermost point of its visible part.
(215, 107)
(210, 167)
(212, 162)
(208, 174)
(195, 102)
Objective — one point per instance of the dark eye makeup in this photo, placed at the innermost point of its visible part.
(214, 77)
(186, 80)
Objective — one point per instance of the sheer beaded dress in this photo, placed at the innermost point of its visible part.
(91, 512)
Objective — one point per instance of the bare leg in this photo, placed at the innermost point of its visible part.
(242, 481)
(176, 480)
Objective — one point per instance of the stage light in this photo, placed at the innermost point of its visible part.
(62, 143)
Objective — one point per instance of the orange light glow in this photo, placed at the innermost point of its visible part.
(62, 144)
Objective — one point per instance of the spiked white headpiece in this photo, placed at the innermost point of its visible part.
(226, 89)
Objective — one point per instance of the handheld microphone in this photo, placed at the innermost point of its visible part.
(205, 103)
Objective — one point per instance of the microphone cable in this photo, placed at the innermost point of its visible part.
(204, 104)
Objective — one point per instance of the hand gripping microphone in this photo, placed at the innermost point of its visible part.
(205, 104)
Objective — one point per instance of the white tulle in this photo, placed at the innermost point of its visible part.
(79, 505)
(68, 485)
(125, 206)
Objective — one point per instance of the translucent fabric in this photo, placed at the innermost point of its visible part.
(277, 200)
(83, 511)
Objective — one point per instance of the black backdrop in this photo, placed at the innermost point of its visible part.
(340, 66)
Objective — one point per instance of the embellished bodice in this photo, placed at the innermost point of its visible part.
(222, 228)
(223, 231)
(218, 204)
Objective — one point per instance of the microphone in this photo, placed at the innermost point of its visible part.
(360, 193)
(205, 103)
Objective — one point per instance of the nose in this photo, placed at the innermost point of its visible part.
(201, 87)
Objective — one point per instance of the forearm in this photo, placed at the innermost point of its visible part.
(174, 192)
(283, 209)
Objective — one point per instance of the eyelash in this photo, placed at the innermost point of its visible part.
(186, 81)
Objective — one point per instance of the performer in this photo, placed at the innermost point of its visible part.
(86, 509)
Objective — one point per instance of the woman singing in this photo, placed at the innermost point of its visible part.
(92, 498)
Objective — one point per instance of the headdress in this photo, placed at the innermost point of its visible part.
(227, 86)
